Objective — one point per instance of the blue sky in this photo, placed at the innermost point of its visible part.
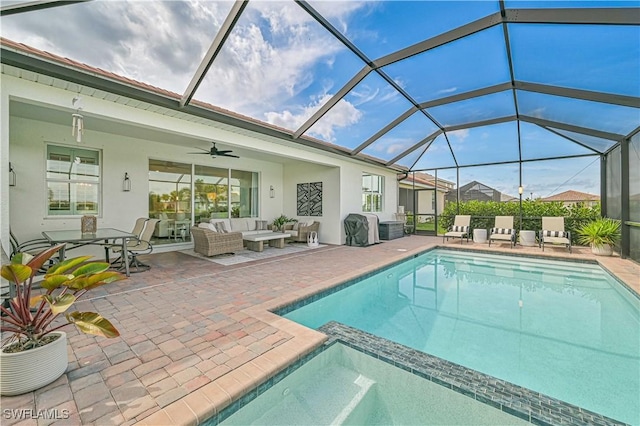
(279, 66)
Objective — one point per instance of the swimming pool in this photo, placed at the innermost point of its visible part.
(565, 329)
(341, 386)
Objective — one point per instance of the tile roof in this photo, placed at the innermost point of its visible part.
(572, 195)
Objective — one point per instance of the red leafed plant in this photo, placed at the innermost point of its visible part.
(29, 319)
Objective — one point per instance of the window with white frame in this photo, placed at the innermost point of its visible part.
(372, 192)
(73, 181)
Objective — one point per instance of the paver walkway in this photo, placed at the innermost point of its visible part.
(196, 335)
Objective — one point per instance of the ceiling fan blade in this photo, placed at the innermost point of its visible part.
(206, 152)
(228, 155)
(225, 151)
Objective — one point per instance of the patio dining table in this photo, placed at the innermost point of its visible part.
(102, 236)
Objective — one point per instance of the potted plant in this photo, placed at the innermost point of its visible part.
(280, 221)
(601, 234)
(35, 351)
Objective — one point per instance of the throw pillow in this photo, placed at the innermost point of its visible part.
(208, 226)
(221, 227)
(261, 225)
(295, 226)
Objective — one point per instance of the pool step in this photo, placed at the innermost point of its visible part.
(328, 399)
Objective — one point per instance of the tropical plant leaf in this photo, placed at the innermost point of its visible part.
(67, 264)
(35, 300)
(77, 283)
(93, 323)
(16, 273)
(54, 281)
(59, 304)
(39, 259)
(91, 268)
(21, 258)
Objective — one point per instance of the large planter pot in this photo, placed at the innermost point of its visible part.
(602, 250)
(26, 371)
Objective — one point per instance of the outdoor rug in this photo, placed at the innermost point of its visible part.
(249, 256)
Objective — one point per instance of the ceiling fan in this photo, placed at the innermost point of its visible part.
(215, 152)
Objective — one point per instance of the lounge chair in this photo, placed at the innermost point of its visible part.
(503, 230)
(459, 229)
(553, 232)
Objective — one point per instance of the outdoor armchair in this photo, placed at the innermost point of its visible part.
(459, 229)
(210, 243)
(302, 231)
(553, 232)
(503, 230)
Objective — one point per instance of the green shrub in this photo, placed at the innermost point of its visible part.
(483, 214)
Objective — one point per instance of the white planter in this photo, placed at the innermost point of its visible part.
(603, 250)
(26, 371)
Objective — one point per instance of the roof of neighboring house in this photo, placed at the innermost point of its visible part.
(425, 179)
(572, 195)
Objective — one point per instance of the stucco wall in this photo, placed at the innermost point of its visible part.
(330, 177)
(28, 209)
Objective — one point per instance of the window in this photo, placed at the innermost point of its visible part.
(244, 194)
(372, 192)
(218, 193)
(73, 181)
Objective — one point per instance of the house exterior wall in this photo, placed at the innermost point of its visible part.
(330, 177)
(23, 142)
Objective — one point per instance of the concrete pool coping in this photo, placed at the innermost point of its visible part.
(196, 336)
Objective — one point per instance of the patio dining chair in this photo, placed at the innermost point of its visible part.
(459, 229)
(32, 247)
(141, 245)
(503, 230)
(553, 232)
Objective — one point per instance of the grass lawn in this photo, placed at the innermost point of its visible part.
(429, 226)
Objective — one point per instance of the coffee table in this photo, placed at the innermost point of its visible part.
(255, 242)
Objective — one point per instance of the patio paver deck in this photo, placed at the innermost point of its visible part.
(196, 335)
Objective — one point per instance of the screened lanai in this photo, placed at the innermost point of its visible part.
(529, 96)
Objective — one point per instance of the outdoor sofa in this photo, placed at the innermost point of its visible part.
(220, 236)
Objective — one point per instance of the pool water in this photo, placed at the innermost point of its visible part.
(565, 329)
(341, 386)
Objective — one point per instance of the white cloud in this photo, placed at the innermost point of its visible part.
(159, 43)
(460, 135)
(264, 70)
(445, 91)
(343, 114)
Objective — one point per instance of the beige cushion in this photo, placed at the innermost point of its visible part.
(208, 226)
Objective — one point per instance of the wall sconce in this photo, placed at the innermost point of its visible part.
(272, 192)
(12, 175)
(520, 189)
(126, 183)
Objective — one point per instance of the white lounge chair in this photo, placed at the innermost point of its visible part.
(553, 232)
(503, 230)
(459, 229)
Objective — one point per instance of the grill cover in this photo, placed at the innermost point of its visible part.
(356, 226)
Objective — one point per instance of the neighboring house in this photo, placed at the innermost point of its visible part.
(421, 193)
(479, 192)
(570, 198)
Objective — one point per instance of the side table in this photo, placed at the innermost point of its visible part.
(528, 238)
(479, 235)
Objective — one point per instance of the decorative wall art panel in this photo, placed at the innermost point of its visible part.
(309, 198)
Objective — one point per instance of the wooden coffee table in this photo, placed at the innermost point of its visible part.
(255, 242)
